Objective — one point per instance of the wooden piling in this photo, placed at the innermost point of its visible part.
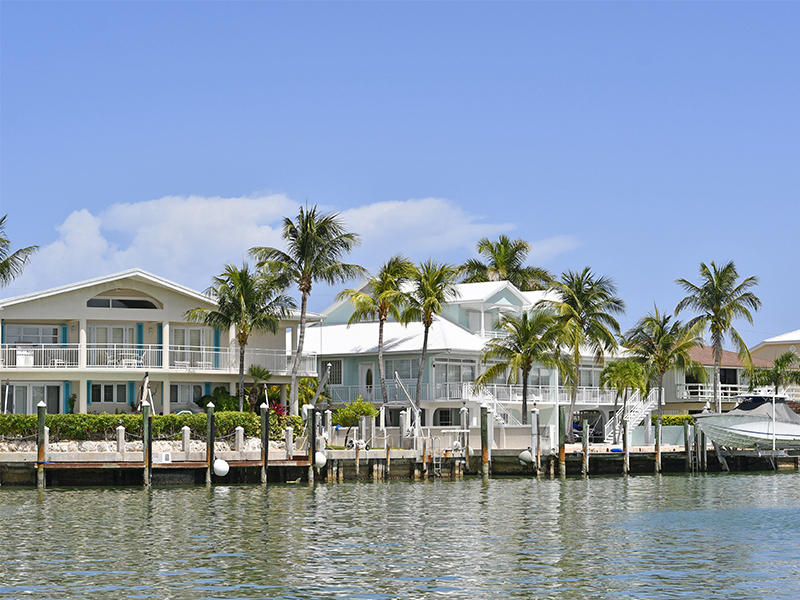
(146, 447)
(626, 450)
(41, 411)
(210, 434)
(687, 448)
(585, 469)
(312, 443)
(264, 441)
(562, 440)
(658, 446)
(484, 441)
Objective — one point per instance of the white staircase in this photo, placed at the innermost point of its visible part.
(501, 415)
(637, 409)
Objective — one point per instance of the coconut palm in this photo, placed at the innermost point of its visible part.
(623, 376)
(532, 338)
(315, 245)
(382, 299)
(432, 286)
(720, 298)
(260, 377)
(246, 301)
(585, 305)
(504, 262)
(779, 375)
(661, 344)
(11, 265)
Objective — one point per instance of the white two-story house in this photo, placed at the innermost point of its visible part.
(96, 339)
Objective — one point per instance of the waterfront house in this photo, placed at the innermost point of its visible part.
(456, 340)
(96, 339)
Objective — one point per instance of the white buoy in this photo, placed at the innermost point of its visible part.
(221, 468)
(525, 457)
(320, 460)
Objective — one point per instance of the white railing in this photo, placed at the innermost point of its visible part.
(704, 392)
(633, 411)
(146, 356)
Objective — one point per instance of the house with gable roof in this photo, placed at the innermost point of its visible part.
(96, 339)
(456, 341)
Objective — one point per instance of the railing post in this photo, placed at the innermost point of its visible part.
(264, 441)
(210, 436)
(41, 410)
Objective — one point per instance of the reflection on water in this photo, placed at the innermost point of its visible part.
(726, 536)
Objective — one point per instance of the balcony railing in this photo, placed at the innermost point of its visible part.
(445, 392)
(704, 392)
(144, 356)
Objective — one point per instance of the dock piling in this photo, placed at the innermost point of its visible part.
(264, 441)
(210, 434)
(485, 441)
(147, 447)
(585, 424)
(658, 446)
(41, 410)
(562, 440)
(626, 448)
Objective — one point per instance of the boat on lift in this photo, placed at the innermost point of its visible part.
(758, 421)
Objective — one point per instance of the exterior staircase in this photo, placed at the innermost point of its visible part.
(501, 415)
(637, 407)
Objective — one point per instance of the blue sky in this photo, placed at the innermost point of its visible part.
(635, 138)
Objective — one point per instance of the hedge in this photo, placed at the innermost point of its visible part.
(79, 427)
(679, 420)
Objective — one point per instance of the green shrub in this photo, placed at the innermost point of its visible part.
(668, 420)
(103, 426)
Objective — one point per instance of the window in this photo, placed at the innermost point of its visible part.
(406, 368)
(120, 303)
(31, 334)
(540, 376)
(335, 377)
(446, 417)
(108, 393)
(185, 393)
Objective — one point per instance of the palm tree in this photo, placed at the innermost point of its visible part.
(779, 375)
(315, 245)
(504, 260)
(661, 344)
(11, 265)
(720, 299)
(384, 299)
(532, 339)
(246, 301)
(433, 285)
(585, 306)
(260, 377)
(622, 376)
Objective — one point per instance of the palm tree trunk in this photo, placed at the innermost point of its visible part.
(241, 376)
(294, 408)
(525, 399)
(573, 396)
(422, 364)
(381, 368)
(717, 359)
(624, 415)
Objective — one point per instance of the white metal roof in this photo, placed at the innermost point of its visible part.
(792, 337)
(362, 338)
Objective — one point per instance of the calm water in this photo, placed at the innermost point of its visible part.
(718, 536)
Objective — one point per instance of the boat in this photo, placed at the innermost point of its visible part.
(758, 421)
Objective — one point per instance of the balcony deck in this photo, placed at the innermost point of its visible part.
(127, 357)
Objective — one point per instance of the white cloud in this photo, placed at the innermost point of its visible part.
(188, 239)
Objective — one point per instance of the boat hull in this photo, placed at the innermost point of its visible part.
(746, 431)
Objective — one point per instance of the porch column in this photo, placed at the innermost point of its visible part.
(483, 327)
(165, 345)
(82, 358)
(165, 397)
(80, 405)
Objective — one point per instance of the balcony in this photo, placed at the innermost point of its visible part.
(704, 392)
(149, 357)
(448, 392)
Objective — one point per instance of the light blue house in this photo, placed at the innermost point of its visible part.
(455, 343)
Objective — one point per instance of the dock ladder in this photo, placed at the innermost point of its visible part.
(436, 455)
